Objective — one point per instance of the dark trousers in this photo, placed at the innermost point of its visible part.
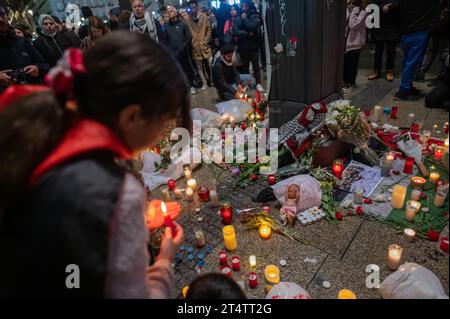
(391, 50)
(246, 58)
(351, 62)
(188, 68)
(436, 47)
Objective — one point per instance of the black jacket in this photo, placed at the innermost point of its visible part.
(224, 77)
(417, 15)
(389, 25)
(223, 14)
(52, 49)
(178, 37)
(247, 31)
(16, 53)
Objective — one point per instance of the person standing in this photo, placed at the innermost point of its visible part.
(228, 35)
(388, 35)
(97, 29)
(246, 29)
(142, 22)
(355, 35)
(417, 19)
(179, 40)
(223, 15)
(84, 30)
(201, 32)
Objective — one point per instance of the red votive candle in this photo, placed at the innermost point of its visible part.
(253, 280)
(394, 113)
(438, 154)
(171, 185)
(272, 179)
(409, 164)
(226, 270)
(203, 194)
(168, 220)
(227, 214)
(223, 260)
(338, 168)
(236, 263)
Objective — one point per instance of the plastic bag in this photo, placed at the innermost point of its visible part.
(412, 281)
(208, 118)
(310, 191)
(236, 108)
(288, 290)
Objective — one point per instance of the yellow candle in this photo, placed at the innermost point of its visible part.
(346, 294)
(272, 274)
(398, 196)
(229, 237)
(185, 291)
(192, 183)
(394, 256)
(412, 208)
(252, 261)
(265, 231)
(434, 177)
(189, 194)
(187, 173)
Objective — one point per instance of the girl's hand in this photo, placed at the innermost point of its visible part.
(169, 244)
(154, 217)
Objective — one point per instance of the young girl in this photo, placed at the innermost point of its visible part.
(97, 29)
(355, 41)
(71, 221)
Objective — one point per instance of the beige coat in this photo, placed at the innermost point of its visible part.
(201, 35)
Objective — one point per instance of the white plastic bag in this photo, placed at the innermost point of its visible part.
(236, 108)
(310, 191)
(288, 290)
(208, 118)
(412, 281)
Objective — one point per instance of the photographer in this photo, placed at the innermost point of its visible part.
(20, 62)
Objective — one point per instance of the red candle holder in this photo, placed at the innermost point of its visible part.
(394, 113)
(253, 280)
(203, 194)
(171, 185)
(438, 154)
(409, 165)
(444, 244)
(223, 259)
(226, 270)
(227, 214)
(272, 180)
(338, 168)
(236, 263)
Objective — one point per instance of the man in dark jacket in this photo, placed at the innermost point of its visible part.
(20, 62)
(417, 19)
(52, 44)
(246, 29)
(223, 15)
(178, 39)
(225, 76)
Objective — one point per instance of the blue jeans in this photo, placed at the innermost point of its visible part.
(413, 46)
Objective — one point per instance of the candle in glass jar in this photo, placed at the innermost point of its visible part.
(252, 280)
(189, 194)
(229, 237)
(415, 195)
(398, 196)
(434, 177)
(394, 256)
(204, 194)
(223, 260)
(409, 235)
(265, 231)
(236, 263)
(387, 165)
(214, 198)
(272, 275)
(200, 236)
(418, 182)
(438, 153)
(409, 165)
(187, 173)
(178, 193)
(412, 208)
(192, 183)
(441, 195)
(252, 261)
(338, 168)
(227, 213)
(377, 114)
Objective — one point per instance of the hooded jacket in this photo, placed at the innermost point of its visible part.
(178, 37)
(224, 76)
(247, 30)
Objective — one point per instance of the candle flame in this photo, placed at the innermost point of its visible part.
(163, 208)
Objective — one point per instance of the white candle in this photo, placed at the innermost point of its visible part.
(214, 198)
(192, 183)
(394, 256)
(377, 114)
(441, 195)
(411, 118)
(412, 207)
(252, 261)
(178, 193)
(201, 242)
(426, 136)
(409, 235)
(415, 195)
(189, 194)
(187, 173)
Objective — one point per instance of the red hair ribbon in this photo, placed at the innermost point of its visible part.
(15, 92)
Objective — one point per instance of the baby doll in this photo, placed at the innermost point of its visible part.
(289, 210)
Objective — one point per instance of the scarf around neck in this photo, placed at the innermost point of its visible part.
(143, 25)
(42, 17)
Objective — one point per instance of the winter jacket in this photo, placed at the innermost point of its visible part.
(201, 32)
(52, 48)
(389, 25)
(178, 37)
(224, 76)
(247, 31)
(223, 15)
(16, 53)
(356, 29)
(417, 15)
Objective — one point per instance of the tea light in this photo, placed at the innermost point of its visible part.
(409, 235)
(412, 208)
(189, 194)
(252, 261)
(265, 231)
(338, 168)
(418, 182)
(398, 196)
(377, 114)
(178, 193)
(201, 242)
(272, 274)
(192, 183)
(434, 177)
(223, 260)
(387, 165)
(166, 195)
(214, 198)
(438, 153)
(229, 237)
(415, 195)
(236, 263)
(346, 294)
(253, 280)
(226, 270)
(394, 256)
(358, 196)
(187, 173)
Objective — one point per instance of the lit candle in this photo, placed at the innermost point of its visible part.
(441, 195)
(236, 263)
(346, 294)
(252, 261)
(192, 183)
(434, 177)
(171, 184)
(187, 173)
(409, 165)
(412, 208)
(200, 236)
(214, 198)
(438, 153)
(394, 256)
(178, 193)
(227, 213)
(265, 231)
(398, 196)
(189, 194)
(377, 114)
(272, 274)
(409, 235)
(426, 137)
(229, 237)
(415, 195)
(418, 182)
(358, 196)
(387, 165)
(338, 168)
(252, 280)
(168, 220)
(166, 195)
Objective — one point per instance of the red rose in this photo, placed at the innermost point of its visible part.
(254, 177)
(359, 210)
(368, 201)
(433, 235)
(243, 126)
(339, 216)
(349, 213)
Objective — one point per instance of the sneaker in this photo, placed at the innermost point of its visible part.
(375, 75)
(390, 75)
(204, 88)
(259, 87)
(193, 91)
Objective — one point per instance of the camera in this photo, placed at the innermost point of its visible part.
(18, 76)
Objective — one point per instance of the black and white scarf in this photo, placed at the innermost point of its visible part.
(147, 24)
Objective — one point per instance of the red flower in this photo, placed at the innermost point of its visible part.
(359, 211)
(242, 167)
(433, 235)
(292, 143)
(423, 195)
(262, 116)
(257, 110)
(243, 126)
(368, 201)
(339, 216)
(254, 177)
(349, 213)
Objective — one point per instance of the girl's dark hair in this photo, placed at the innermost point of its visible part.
(123, 69)
(215, 286)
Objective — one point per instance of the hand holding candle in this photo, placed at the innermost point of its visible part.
(154, 216)
(168, 220)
